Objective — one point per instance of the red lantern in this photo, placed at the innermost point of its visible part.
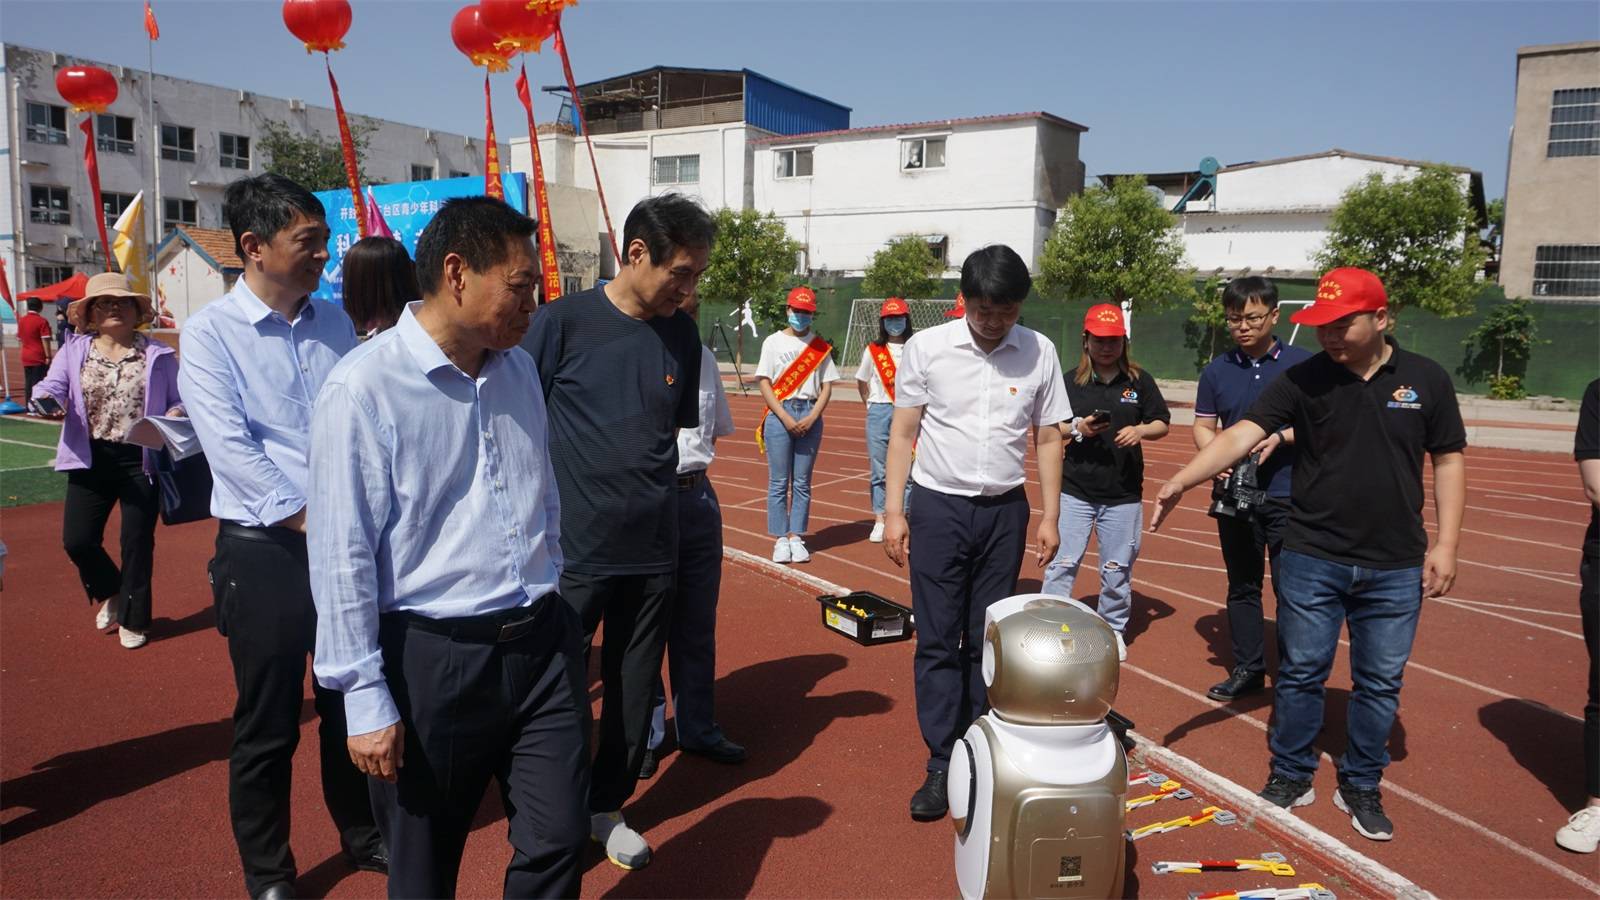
(550, 7)
(520, 27)
(474, 39)
(87, 88)
(319, 24)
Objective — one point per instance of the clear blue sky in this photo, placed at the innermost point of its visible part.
(1160, 85)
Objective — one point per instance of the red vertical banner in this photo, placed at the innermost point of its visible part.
(5, 287)
(577, 108)
(548, 262)
(491, 152)
(352, 172)
(91, 164)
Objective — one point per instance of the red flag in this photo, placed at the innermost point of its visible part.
(377, 226)
(5, 287)
(351, 170)
(150, 26)
(491, 150)
(548, 263)
(577, 107)
(91, 163)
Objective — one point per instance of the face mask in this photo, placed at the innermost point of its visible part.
(800, 321)
(895, 325)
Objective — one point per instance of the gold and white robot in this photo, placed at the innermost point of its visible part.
(1037, 784)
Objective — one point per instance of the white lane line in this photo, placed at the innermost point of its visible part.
(1450, 601)
(1521, 609)
(28, 444)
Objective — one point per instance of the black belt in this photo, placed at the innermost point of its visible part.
(688, 480)
(270, 534)
(491, 628)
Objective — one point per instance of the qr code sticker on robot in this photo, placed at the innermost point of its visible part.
(1071, 870)
(843, 624)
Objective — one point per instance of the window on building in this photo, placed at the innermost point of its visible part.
(421, 173)
(48, 205)
(115, 205)
(939, 248)
(571, 284)
(457, 173)
(794, 163)
(114, 134)
(47, 124)
(1575, 123)
(177, 142)
(1566, 270)
(921, 153)
(44, 276)
(234, 151)
(677, 169)
(178, 211)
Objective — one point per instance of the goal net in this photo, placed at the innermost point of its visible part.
(864, 325)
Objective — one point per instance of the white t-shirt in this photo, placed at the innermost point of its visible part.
(977, 407)
(868, 372)
(697, 446)
(779, 350)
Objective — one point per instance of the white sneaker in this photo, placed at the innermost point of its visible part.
(1122, 647)
(131, 639)
(797, 551)
(877, 534)
(1581, 834)
(107, 616)
(780, 550)
(624, 846)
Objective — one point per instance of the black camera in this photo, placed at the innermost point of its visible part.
(1238, 495)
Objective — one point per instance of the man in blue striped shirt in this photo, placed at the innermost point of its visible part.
(436, 554)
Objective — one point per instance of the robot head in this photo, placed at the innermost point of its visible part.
(1048, 661)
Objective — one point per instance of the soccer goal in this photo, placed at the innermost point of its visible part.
(864, 325)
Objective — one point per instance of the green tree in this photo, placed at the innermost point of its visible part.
(313, 161)
(905, 268)
(1117, 243)
(1206, 330)
(1497, 351)
(753, 259)
(1420, 235)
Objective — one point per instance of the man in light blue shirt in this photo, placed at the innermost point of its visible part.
(253, 362)
(436, 556)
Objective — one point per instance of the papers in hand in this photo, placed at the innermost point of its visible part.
(170, 433)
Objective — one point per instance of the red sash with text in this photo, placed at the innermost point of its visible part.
(791, 378)
(885, 366)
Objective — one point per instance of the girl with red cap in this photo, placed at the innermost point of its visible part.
(875, 380)
(1102, 477)
(796, 375)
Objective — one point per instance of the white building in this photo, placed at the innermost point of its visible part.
(209, 136)
(959, 184)
(1272, 217)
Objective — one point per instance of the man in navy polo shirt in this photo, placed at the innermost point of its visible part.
(1364, 411)
(1229, 384)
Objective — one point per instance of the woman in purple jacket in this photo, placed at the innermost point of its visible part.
(106, 377)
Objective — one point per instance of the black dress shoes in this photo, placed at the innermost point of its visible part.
(929, 803)
(377, 861)
(647, 768)
(1239, 683)
(283, 890)
(723, 751)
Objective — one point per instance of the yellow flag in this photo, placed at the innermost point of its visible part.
(130, 246)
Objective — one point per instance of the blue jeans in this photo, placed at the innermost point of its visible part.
(1316, 598)
(1119, 528)
(789, 463)
(879, 415)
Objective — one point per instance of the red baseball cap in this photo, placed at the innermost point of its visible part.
(1105, 320)
(894, 306)
(1340, 293)
(803, 299)
(960, 309)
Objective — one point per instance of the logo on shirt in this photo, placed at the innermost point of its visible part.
(1129, 395)
(1013, 391)
(1405, 398)
(671, 381)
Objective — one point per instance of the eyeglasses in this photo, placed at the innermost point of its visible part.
(1253, 320)
(112, 304)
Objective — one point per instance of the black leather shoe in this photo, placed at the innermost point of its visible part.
(929, 803)
(377, 861)
(647, 768)
(283, 890)
(1240, 683)
(723, 751)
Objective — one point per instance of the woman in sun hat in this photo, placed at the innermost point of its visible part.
(875, 381)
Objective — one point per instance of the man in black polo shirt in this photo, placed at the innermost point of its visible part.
(1363, 411)
(620, 368)
(1228, 386)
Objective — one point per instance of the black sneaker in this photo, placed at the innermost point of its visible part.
(1288, 793)
(1365, 806)
(647, 767)
(1239, 683)
(929, 803)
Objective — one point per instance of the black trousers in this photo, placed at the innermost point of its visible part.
(472, 711)
(1589, 607)
(965, 555)
(115, 474)
(261, 586)
(1243, 544)
(637, 612)
(692, 642)
(32, 375)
